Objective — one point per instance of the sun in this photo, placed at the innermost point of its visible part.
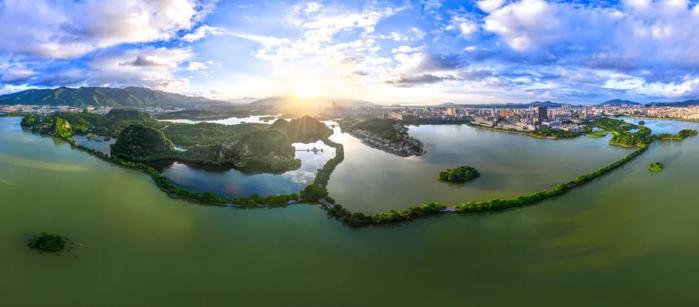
(306, 89)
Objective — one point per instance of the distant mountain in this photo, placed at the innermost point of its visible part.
(105, 96)
(284, 103)
(547, 104)
(686, 103)
(619, 102)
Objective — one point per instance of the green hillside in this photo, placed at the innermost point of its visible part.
(105, 96)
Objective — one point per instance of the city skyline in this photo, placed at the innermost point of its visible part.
(413, 52)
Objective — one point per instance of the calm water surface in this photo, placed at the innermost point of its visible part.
(371, 180)
(626, 239)
(231, 120)
(234, 183)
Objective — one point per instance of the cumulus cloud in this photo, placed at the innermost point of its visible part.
(151, 67)
(489, 5)
(68, 29)
(414, 80)
(15, 74)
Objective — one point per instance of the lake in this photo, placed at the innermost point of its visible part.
(625, 239)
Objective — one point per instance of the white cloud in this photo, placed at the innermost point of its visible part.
(68, 29)
(490, 5)
(465, 26)
(15, 73)
(638, 34)
(157, 68)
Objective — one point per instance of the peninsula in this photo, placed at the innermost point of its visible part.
(385, 134)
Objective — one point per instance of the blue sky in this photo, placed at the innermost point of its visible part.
(420, 51)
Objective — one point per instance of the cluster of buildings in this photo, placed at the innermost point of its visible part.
(45, 109)
(566, 118)
(685, 113)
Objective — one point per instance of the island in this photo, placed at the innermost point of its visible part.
(142, 140)
(681, 135)
(48, 243)
(385, 134)
(461, 174)
(656, 167)
(253, 148)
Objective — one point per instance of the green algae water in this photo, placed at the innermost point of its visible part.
(628, 238)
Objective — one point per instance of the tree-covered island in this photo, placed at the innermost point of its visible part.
(461, 174)
(48, 243)
(656, 167)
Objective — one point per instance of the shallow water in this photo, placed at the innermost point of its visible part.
(628, 238)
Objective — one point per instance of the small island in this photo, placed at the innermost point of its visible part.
(656, 167)
(461, 174)
(48, 243)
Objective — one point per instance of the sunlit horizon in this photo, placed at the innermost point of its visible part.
(387, 52)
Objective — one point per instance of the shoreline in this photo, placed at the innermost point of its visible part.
(358, 219)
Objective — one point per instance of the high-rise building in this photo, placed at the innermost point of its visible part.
(542, 113)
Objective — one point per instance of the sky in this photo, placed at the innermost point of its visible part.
(390, 51)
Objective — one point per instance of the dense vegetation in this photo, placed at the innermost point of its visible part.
(313, 193)
(48, 243)
(623, 134)
(681, 135)
(558, 133)
(140, 143)
(359, 219)
(461, 174)
(656, 167)
(323, 174)
(303, 130)
(383, 128)
(199, 134)
(597, 134)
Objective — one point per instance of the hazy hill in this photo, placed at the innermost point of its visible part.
(618, 102)
(547, 104)
(686, 103)
(284, 101)
(105, 96)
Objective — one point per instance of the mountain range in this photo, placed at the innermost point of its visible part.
(129, 97)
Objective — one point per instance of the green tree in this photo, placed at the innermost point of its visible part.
(313, 192)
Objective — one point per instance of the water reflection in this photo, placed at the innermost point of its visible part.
(259, 119)
(235, 183)
(101, 144)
